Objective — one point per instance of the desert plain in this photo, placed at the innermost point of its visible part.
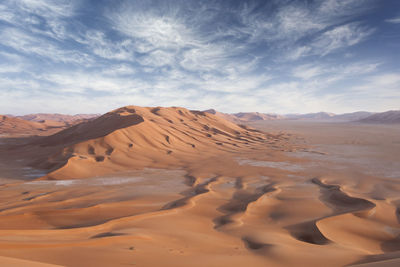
(173, 187)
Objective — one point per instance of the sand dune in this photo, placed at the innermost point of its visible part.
(173, 187)
(15, 126)
(135, 137)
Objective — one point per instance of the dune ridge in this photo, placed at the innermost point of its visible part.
(136, 137)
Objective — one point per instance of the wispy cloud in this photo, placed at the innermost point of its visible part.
(341, 36)
(260, 55)
(334, 39)
(30, 45)
(395, 20)
(333, 73)
(46, 17)
(101, 46)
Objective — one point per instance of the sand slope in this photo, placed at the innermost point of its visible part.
(136, 137)
(10, 262)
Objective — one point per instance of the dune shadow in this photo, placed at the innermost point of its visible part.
(308, 232)
(335, 198)
(256, 246)
(106, 234)
(239, 203)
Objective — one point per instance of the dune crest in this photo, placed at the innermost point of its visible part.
(135, 137)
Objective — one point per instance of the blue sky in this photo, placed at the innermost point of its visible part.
(276, 56)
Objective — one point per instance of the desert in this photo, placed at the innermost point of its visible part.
(185, 133)
(169, 186)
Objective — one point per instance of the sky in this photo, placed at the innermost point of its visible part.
(275, 56)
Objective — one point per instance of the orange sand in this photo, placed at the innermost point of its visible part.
(173, 187)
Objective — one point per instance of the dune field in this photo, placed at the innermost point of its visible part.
(172, 187)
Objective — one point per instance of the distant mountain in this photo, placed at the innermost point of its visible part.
(243, 117)
(326, 116)
(310, 116)
(256, 116)
(67, 119)
(392, 116)
(354, 116)
(226, 116)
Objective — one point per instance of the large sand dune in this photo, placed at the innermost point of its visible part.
(136, 137)
(173, 187)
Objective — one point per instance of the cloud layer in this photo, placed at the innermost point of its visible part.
(275, 56)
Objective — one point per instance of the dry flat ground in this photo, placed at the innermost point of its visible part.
(219, 195)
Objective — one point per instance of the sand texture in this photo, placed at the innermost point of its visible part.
(173, 187)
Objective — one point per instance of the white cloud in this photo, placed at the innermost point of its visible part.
(189, 53)
(331, 73)
(98, 43)
(336, 9)
(296, 21)
(5, 14)
(332, 40)
(205, 58)
(307, 71)
(119, 69)
(152, 31)
(33, 45)
(10, 68)
(17, 85)
(394, 20)
(47, 7)
(233, 83)
(386, 81)
(339, 37)
(51, 15)
(379, 92)
(298, 52)
(79, 82)
(157, 58)
(194, 58)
